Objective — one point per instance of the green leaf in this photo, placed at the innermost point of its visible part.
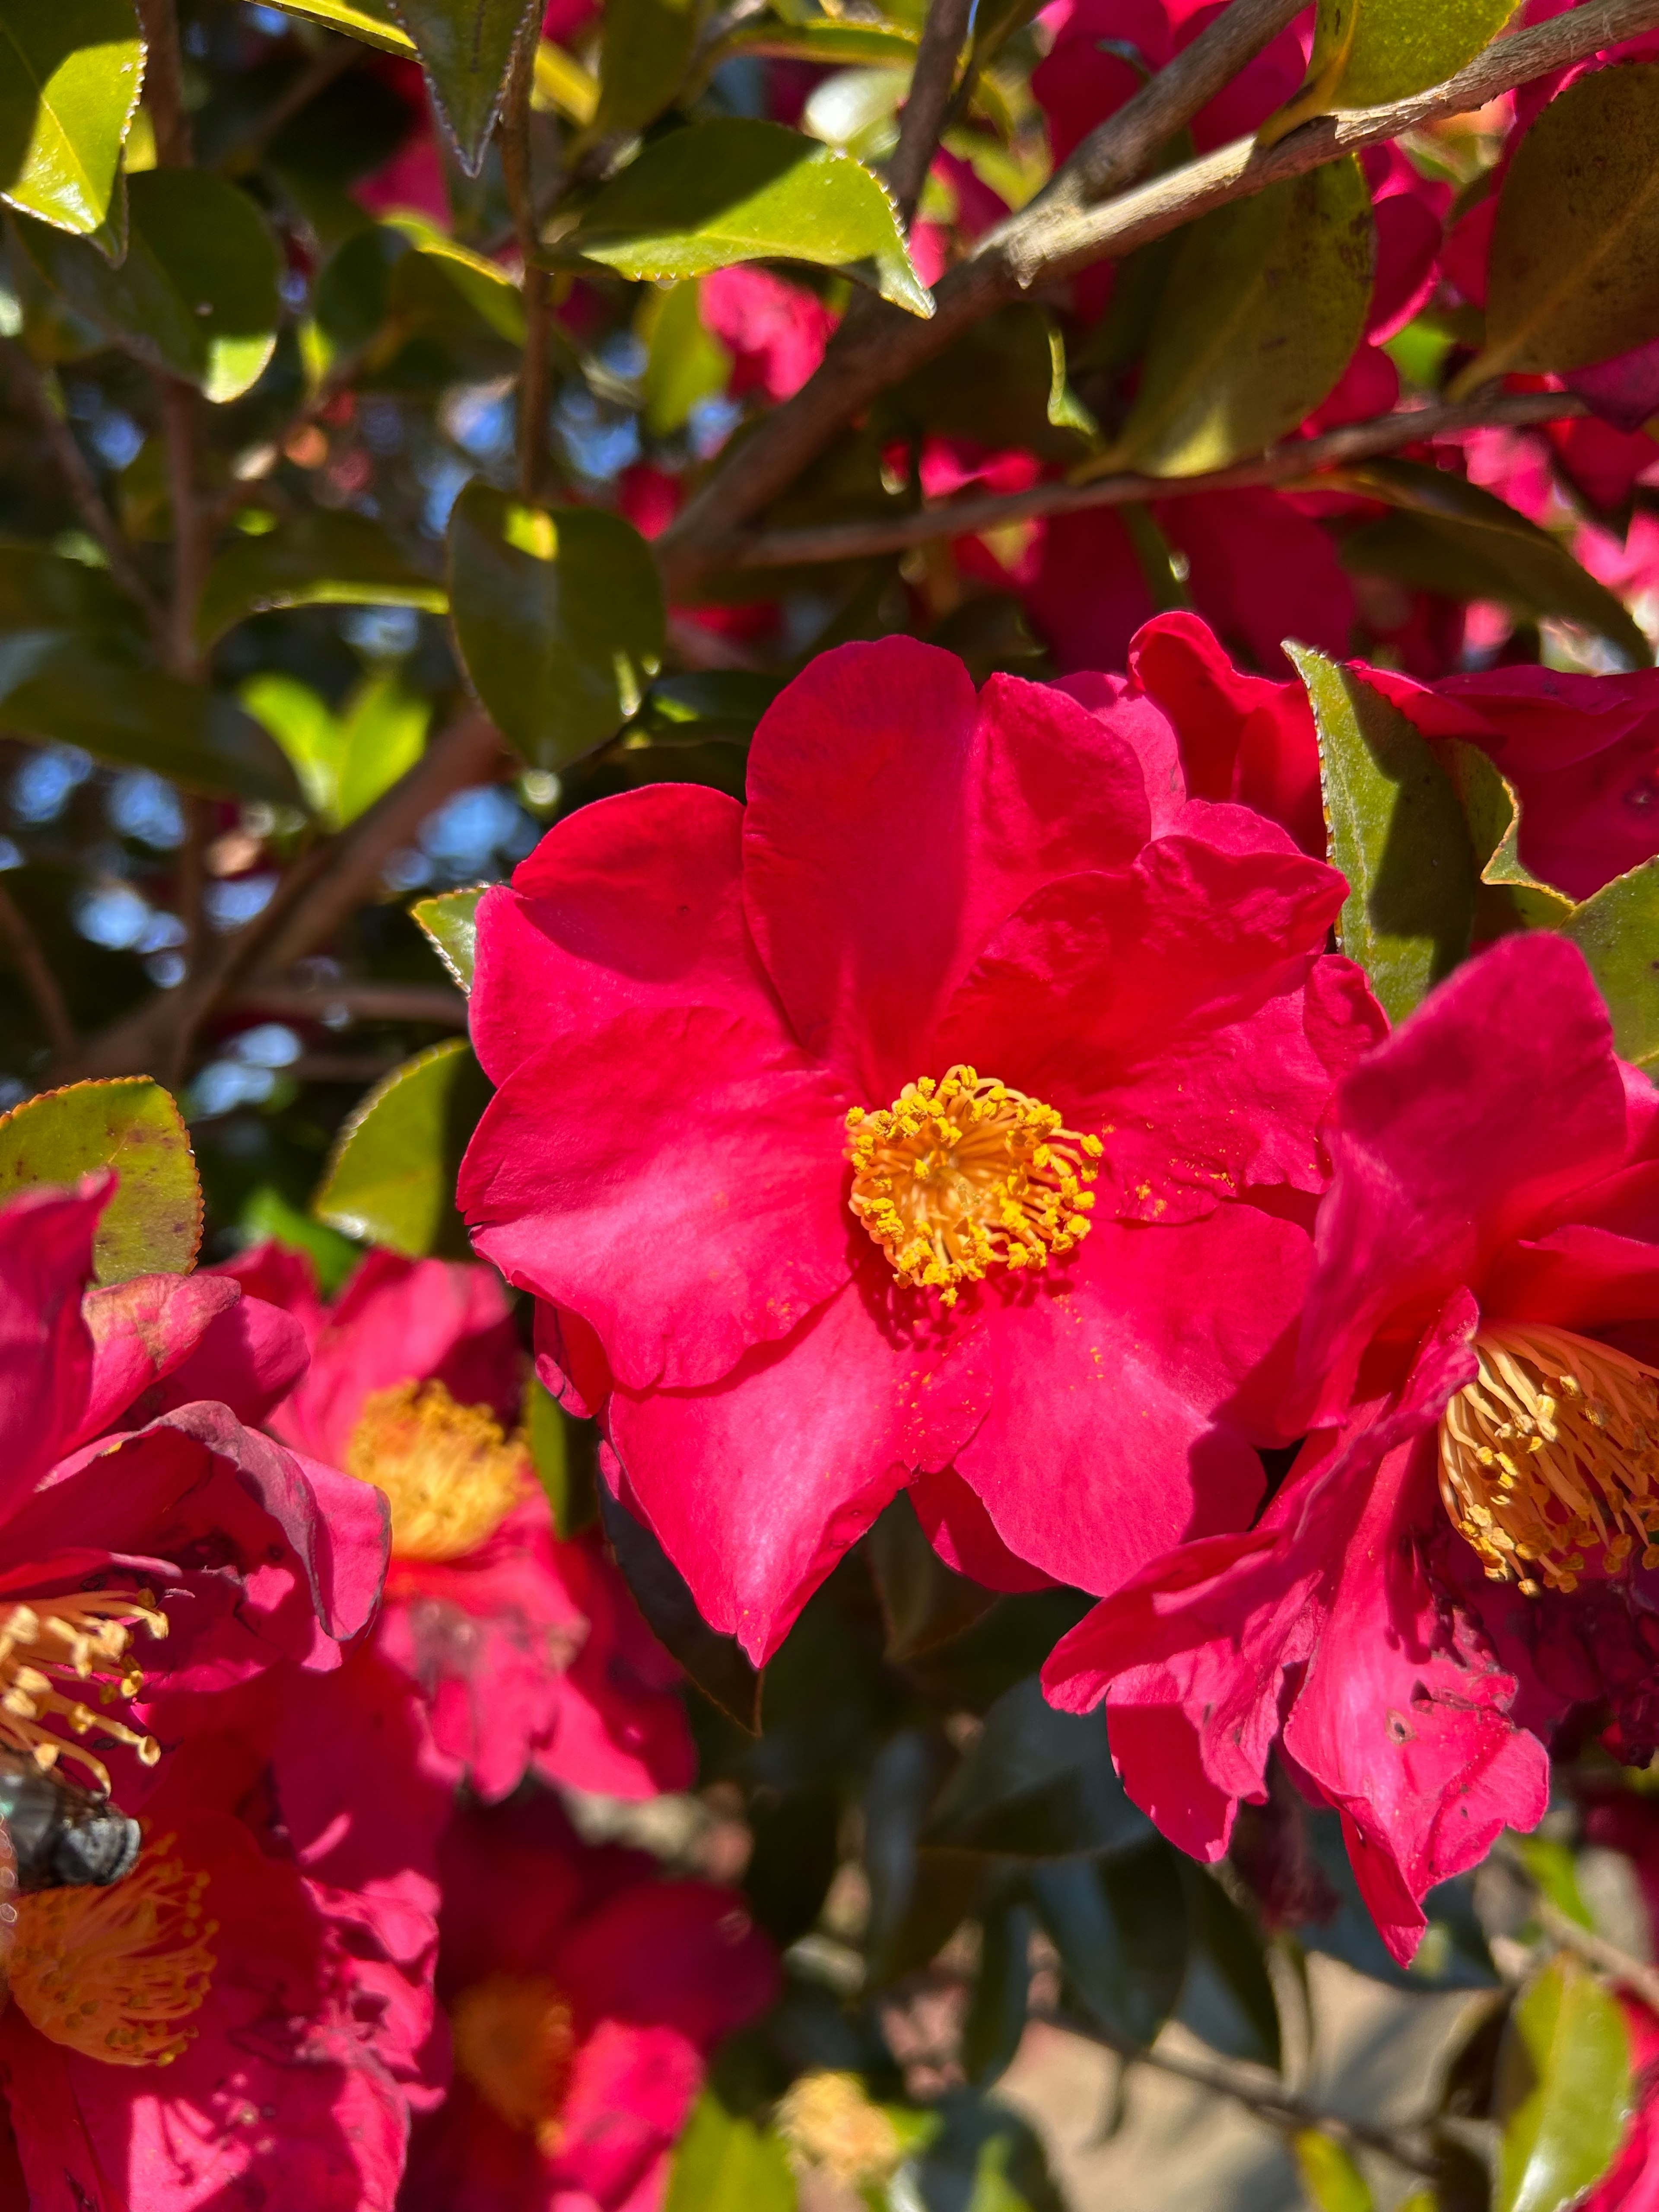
(267, 1216)
(924, 1602)
(1563, 2093)
(450, 919)
(1551, 1863)
(1368, 51)
(344, 762)
(1121, 1927)
(371, 21)
(825, 42)
(1491, 812)
(1330, 2179)
(683, 362)
(736, 190)
(70, 79)
(1229, 2002)
(1396, 832)
(725, 2163)
(1037, 1783)
(153, 1223)
(569, 1487)
(196, 295)
(138, 717)
(558, 615)
(1453, 537)
(1264, 303)
(1617, 931)
(392, 1177)
(996, 2017)
(1573, 275)
(319, 559)
(488, 291)
(40, 590)
(645, 49)
(997, 383)
(714, 1663)
(466, 48)
(983, 2158)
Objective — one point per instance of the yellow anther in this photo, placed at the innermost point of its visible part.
(449, 1472)
(81, 1640)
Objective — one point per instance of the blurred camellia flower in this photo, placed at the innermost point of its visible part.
(584, 1994)
(845, 1144)
(528, 1651)
(1465, 1549)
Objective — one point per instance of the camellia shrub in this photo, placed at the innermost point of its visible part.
(829, 1182)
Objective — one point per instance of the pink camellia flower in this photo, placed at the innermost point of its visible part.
(529, 1652)
(584, 1994)
(909, 1123)
(1464, 1548)
(150, 1565)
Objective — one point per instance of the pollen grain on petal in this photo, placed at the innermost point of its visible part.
(963, 1174)
(449, 1472)
(1549, 1459)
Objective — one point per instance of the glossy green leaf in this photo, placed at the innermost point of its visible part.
(450, 921)
(1121, 1927)
(644, 50)
(1491, 811)
(266, 1216)
(725, 2163)
(1264, 303)
(1618, 933)
(70, 80)
(487, 289)
(826, 42)
(196, 294)
(683, 362)
(559, 618)
(1562, 2093)
(1330, 2180)
(1452, 537)
(153, 1223)
(736, 190)
(924, 1602)
(1037, 1783)
(466, 48)
(345, 761)
(714, 1663)
(1573, 275)
(140, 718)
(996, 2017)
(370, 21)
(318, 559)
(1395, 831)
(392, 1177)
(1368, 51)
(565, 1473)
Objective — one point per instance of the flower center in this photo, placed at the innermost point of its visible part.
(963, 1175)
(1551, 1454)
(115, 1973)
(451, 1476)
(513, 2040)
(52, 1650)
(829, 2122)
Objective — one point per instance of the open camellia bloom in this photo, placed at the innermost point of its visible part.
(907, 1126)
(584, 1994)
(1465, 1549)
(529, 1652)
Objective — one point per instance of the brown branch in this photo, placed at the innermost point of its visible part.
(1067, 229)
(363, 1002)
(30, 961)
(923, 115)
(1289, 463)
(164, 83)
(535, 373)
(37, 396)
(191, 541)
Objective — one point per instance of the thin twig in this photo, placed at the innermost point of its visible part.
(38, 397)
(1565, 1933)
(1055, 237)
(1289, 463)
(923, 115)
(42, 985)
(535, 369)
(362, 1002)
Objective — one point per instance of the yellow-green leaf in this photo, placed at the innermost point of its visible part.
(1395, 831)
(563, 85)
(1368, 51)
(1331, 2181)
(451, 921)
(319, 559)
(725, 2163)
(1617, 931)
(153, 1223)
(1563, 2093)
(391, 1178)
(684, 362)
(70, 79)
(1491, 811)
(736, 190)
(344, 761)
(466, 49)
(1263, 306)
(371, 21)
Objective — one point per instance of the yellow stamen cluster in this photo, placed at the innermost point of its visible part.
(829, 2123)
(514, 2041)
(1551, 1454)
(964, 1175)
(56, 1652)
(116, 1973)
(450, 1474)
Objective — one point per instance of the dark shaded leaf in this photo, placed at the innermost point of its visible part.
(319, 559)
(467, 49)
(923, 1601)
(1397, 833)
(153, 1222)
(996, 2017)
(1235, 2010)
(1120, 1927)
(714, 1663)
(983, 2158)
(1563, 2093)
(391, 1179)
(645, 49)
(1037, 1783)
(794, 1857)
(70, 79)
(997, 384)
(1618, 933)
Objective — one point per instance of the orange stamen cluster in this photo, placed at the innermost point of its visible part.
(964, 1175)
(449, 1472)
(55, 1652)
(514, 2041)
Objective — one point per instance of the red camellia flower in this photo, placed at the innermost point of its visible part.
(529, 1652)
(908, 1122)
(584, 1994)
(1464, 1549)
